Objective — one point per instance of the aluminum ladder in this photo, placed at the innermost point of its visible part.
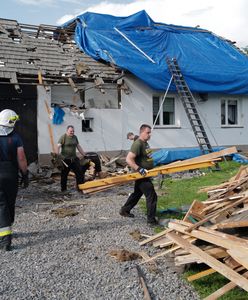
(189, 106)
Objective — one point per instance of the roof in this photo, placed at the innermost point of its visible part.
(209, 63)
(26, 50)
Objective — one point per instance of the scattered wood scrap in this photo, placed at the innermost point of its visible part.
(201, 237)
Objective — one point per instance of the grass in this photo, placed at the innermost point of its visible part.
(177, 193)
(209, 284)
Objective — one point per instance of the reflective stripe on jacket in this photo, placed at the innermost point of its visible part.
(5, 231)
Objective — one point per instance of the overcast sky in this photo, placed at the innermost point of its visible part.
(228, 18)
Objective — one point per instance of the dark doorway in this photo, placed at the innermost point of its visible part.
(25, 105)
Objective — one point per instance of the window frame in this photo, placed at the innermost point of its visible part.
(238, 117)
(160, 118)
(87, 128)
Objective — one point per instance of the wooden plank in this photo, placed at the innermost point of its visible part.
(51, 137)
(210, 261)
(234, 224)
(145, 256)
(216, 252)
(240, 255)
(143, 284)
(226, 241)
(163, 253)
(154, 237)
(208, 217)
(226, 288)
(188, 212)
(201, 274)
(99, 189)
(151, 173)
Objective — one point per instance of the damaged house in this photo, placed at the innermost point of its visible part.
(115, 77)
(40, 74)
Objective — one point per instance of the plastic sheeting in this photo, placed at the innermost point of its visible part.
(138, 44)
(166, 156)
(58, 116)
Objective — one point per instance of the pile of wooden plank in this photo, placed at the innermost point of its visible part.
(203, 161)
(203, 236)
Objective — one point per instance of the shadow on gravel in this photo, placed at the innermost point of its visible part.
(43, 237)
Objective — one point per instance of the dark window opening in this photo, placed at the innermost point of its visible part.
(86, 125)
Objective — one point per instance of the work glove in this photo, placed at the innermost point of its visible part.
(142, 171)
(24, 180)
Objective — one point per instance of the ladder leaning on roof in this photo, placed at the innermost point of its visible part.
(189, 106)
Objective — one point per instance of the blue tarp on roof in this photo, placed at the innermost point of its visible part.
(209, 63)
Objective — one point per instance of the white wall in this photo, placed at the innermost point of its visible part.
(137, 108)
(107, 126)
(110, 126)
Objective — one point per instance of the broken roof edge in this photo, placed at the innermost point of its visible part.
(18, 39)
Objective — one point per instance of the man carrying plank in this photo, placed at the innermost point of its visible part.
(139, 159)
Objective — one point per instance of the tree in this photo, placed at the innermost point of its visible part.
(245, 49)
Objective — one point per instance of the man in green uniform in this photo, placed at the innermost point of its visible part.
(139, 159)
(68, 143)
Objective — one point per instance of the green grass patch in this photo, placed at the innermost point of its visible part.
(179, 192)
(209, 284)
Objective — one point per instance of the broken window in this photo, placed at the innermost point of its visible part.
(229, 112)
(87, 125)
(166, 115)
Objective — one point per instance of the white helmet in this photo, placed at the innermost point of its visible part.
(8, 119)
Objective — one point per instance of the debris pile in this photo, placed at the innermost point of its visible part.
(212, 232)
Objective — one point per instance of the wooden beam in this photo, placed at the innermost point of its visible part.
(51, 137)
(143, 284)
(201, 274)
(226, 241)
(155, 237)
(240, 255)
(226, 288)
(210, 261)
(151, 173)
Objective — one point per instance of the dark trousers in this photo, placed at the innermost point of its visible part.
(74, 165)
(8, 192)
(143, 186)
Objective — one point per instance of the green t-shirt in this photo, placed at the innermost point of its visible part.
(68, 146)
(143, 154)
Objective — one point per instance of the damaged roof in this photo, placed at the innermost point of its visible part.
(209, 63)
(29, 51)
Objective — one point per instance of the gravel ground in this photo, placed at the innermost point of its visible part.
(68, 258)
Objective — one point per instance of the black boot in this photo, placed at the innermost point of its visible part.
(5, 242)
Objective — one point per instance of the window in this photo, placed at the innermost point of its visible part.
(86, 125)
(229, 112)
(167, 113)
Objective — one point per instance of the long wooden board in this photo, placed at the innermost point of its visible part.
(210, 261)
(228, 241)
(151, 173)
(202, 161)
(226, 288)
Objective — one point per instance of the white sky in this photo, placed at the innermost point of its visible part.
(227, 18)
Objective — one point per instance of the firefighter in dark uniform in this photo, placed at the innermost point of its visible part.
(12, 158)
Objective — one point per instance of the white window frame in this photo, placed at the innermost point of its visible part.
(239, 104)
(160, 118)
